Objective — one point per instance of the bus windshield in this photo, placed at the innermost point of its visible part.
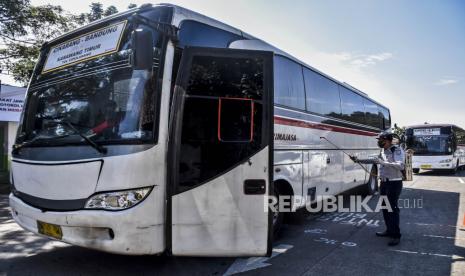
(102, 96)
(436, 145)
(106, 106)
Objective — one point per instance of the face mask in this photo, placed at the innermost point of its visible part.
(381, 143)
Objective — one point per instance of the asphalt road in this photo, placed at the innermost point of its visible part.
(433, 243)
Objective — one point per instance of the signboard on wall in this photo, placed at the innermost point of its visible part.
(11, 103)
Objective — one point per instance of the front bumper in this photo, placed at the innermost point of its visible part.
(134, 231)
(433, 165)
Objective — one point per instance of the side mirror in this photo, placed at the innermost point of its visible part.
(142, 48)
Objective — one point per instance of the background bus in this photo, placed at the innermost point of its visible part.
(436, 146)
(160, 129)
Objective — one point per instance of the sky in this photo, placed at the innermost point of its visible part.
(408, 55)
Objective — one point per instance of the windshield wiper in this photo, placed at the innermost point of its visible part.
(17, 147)
(96, 146)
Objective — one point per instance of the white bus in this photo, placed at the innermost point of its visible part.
(130, 150)
(436, 147)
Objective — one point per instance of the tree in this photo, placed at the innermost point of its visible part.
(96, 12)
(24, 28)
(110, 10)
(398, 130)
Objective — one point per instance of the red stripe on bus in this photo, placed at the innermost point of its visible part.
(297, 123)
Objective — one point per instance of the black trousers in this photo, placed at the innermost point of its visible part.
(392, 190)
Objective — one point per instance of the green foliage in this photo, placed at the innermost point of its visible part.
(24, 28)
(110, 10)
(96, 12)
(398, 130)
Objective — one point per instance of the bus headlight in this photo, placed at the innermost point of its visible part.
(118, 200)
(445, 161)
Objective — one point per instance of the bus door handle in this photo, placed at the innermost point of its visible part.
(328, 160)
(254, 187)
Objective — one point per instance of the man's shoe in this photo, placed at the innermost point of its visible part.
(394, 242)
(382, 234)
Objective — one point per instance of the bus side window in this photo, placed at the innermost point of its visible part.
(235, 120)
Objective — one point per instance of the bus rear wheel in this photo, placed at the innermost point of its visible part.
(278, 216)
(372, 185)
(416, 170)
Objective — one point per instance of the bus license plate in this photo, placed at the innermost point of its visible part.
(50, 230)
(426, 166)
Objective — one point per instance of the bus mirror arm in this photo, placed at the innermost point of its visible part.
(162, 27)
(142, 49)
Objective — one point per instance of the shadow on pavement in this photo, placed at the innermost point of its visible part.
(81, 261)
(444, 173)
(430, 244)
(427, 247)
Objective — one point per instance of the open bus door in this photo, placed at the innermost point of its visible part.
(221, 149)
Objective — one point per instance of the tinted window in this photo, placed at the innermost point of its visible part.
(222, 119)
(193, 33)
(460, 134)
(352, 106)
(372, 115)
(322, 94)
(288, 83)
(235, 120)
(226, 77)
(386, 117)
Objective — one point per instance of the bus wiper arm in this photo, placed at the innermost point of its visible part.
(96, 146)
(17, 147)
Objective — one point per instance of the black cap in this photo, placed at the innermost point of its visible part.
(385, 136)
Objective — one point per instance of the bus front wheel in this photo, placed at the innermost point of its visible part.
(456, 169)
(415, 170)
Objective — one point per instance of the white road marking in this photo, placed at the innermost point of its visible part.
(461, 180)
(335, 242)
(432, 224)
(243, 265)
(316, 231)
(443, 237)
(422, 253)
(356, 219)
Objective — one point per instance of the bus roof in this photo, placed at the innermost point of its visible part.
(180, 14)
(432, 125)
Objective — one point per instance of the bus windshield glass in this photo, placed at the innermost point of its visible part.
(86, 85)
(434, 144)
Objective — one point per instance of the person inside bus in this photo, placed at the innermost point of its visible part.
(392, 164)
(107, 122)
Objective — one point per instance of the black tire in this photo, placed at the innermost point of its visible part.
(278, 217)
(372, 185)
(456, 169)
(415, 170)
